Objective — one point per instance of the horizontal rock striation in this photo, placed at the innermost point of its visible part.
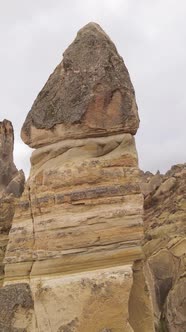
(80, 209)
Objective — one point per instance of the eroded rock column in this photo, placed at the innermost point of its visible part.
(78, 226)
(11, 186)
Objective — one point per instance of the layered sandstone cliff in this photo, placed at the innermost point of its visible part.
(165, 246)
(11, 187)
(78, 226)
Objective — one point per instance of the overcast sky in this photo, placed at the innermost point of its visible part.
(150, 36)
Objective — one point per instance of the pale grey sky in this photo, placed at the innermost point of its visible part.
(150, 35)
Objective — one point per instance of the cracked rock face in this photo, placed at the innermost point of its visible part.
(165, 246)
(78, 225)
(11, 186)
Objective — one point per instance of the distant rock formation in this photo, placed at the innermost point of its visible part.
(165, 246)
(11, 186)
(78, 226)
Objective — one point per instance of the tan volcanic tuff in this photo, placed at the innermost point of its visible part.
(78, 225)
(165, 246)
(11, 187)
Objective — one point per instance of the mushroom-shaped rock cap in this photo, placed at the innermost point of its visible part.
(89, 94)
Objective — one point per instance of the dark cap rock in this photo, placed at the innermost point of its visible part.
(88, 94)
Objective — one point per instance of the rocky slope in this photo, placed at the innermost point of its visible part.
(11, 187)
(165, 246)
(78, 226)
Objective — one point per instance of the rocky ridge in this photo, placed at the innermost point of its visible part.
(78, 225)
(165, 245)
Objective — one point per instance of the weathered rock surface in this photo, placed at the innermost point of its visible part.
(89, 94)
(78, 225)
(16, 308)
(165, 246)
(73, 261)
(140, 301)
(11, 186)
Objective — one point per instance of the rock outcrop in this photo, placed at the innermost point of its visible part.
(78, 225)
(89, 94)
(165, 246)
(11, 187)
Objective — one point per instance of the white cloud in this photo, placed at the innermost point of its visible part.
(150, 35)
